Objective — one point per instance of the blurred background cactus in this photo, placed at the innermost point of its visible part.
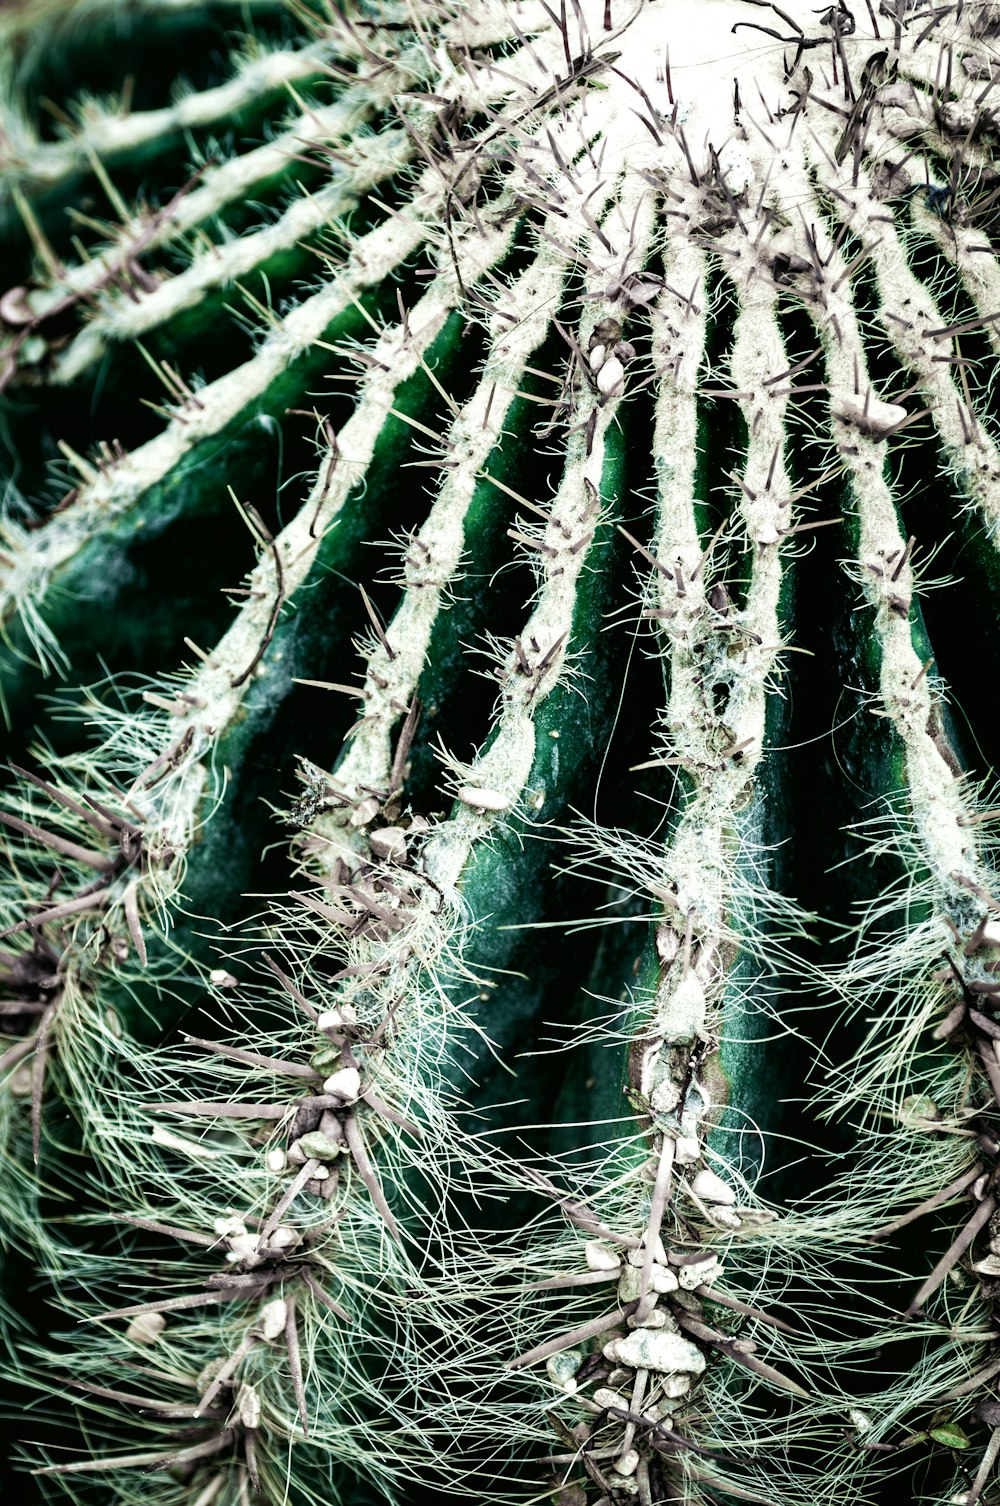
(498, 927)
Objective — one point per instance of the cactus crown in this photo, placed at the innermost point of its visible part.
(473, 473)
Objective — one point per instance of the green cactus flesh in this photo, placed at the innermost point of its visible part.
(498, 921)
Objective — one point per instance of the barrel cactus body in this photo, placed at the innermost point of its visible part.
(498, 973)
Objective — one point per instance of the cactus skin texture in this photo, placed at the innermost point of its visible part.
(499, 922)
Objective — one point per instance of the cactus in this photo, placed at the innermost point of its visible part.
(499, 916)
